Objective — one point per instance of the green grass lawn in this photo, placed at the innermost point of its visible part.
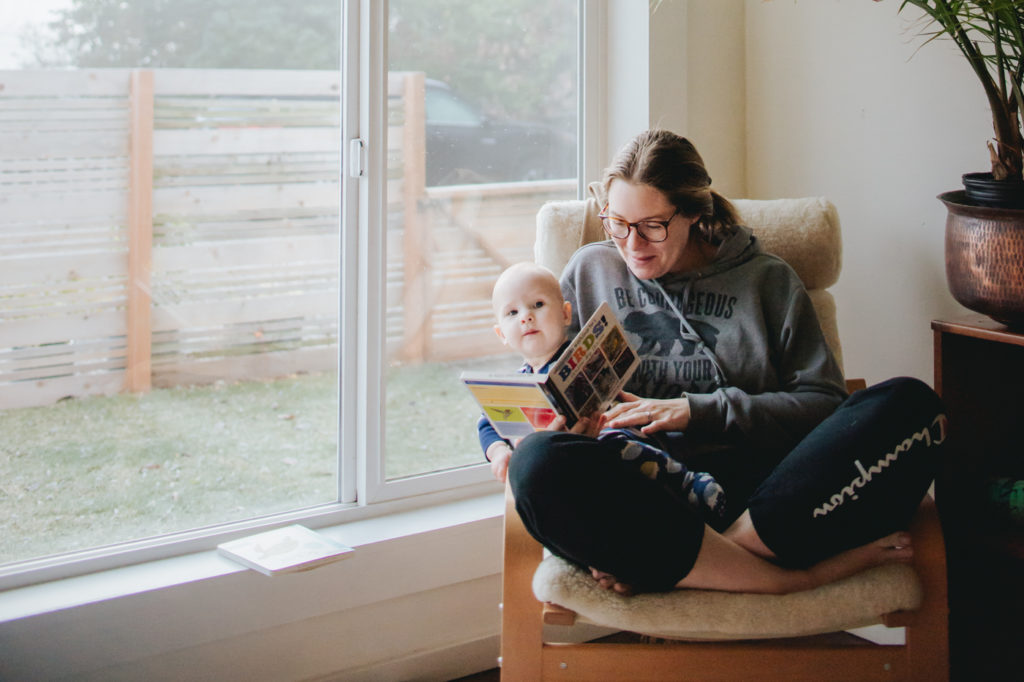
(92, 471)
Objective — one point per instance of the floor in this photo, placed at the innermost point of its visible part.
(833, 639)
(493, 675)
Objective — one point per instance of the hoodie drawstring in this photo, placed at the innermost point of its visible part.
(688, 333)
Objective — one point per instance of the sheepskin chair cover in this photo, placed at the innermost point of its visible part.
(803, 232)
(853, 602)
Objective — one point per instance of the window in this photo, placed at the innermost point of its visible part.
(196, 281)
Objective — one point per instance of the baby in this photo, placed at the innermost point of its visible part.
(532, 317)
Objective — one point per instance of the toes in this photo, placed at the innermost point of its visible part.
(897, 540)
(897, 547)
(607, 581)
(623, 589)
(604, 580)
(901, 554)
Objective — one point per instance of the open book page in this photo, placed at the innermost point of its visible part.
(516, 405)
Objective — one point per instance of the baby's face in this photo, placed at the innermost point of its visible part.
(531, 315)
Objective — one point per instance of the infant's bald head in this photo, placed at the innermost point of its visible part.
(519, 277)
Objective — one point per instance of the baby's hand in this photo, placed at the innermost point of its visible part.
(556, 424)
(499, 453)
(499, 463)
(585, 426)
(589, 426)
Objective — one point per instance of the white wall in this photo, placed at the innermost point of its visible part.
(690, 80)
(839, 105)
(715, 101)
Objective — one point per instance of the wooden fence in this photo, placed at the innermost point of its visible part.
(179, 227)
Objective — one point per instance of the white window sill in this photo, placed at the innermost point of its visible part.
(401, 532)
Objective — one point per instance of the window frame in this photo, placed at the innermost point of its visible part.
(363, 490)
(362, 404)
(362, 414)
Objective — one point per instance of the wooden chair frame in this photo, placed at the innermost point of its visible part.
(526, 656)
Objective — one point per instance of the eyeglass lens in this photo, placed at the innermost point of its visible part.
(652, 232)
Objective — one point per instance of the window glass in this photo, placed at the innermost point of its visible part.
(168, 266)
(463, 192)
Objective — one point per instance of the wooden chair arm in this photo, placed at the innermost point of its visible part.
(930, 555)
(521, 619)
(554, 614)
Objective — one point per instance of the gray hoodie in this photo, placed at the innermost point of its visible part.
(739, 338)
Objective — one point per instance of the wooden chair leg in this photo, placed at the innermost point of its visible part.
(521, 623)
(928, 635)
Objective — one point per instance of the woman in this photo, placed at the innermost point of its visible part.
(736, 380)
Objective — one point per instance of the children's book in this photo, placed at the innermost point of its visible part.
(285, 550)
(582, 381)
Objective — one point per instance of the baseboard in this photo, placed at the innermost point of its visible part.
(437, 665)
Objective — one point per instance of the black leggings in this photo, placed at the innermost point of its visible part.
(857, 477)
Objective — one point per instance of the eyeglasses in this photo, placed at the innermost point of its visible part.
(650, 230)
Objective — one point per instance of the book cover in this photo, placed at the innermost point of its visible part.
(284, 550)
(584, 380)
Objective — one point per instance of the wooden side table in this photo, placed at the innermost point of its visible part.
(979, 372)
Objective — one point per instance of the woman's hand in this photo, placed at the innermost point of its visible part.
(648, 414)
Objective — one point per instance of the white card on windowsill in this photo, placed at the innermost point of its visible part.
(284, 550)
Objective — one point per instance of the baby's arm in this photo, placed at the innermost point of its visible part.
(498, 454)
(496, 449)
(499, 451)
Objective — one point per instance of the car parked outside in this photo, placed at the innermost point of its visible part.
(465, 147)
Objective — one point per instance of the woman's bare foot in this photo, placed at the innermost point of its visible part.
(732, 571)
(608, 582)
(724, 565)
(894, 548)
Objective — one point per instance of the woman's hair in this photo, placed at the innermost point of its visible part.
(670, 163)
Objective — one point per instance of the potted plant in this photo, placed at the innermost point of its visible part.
(985, 227)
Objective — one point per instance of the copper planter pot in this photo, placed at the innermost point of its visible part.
(985, 258)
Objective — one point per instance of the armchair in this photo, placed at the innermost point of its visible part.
(726, 636)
